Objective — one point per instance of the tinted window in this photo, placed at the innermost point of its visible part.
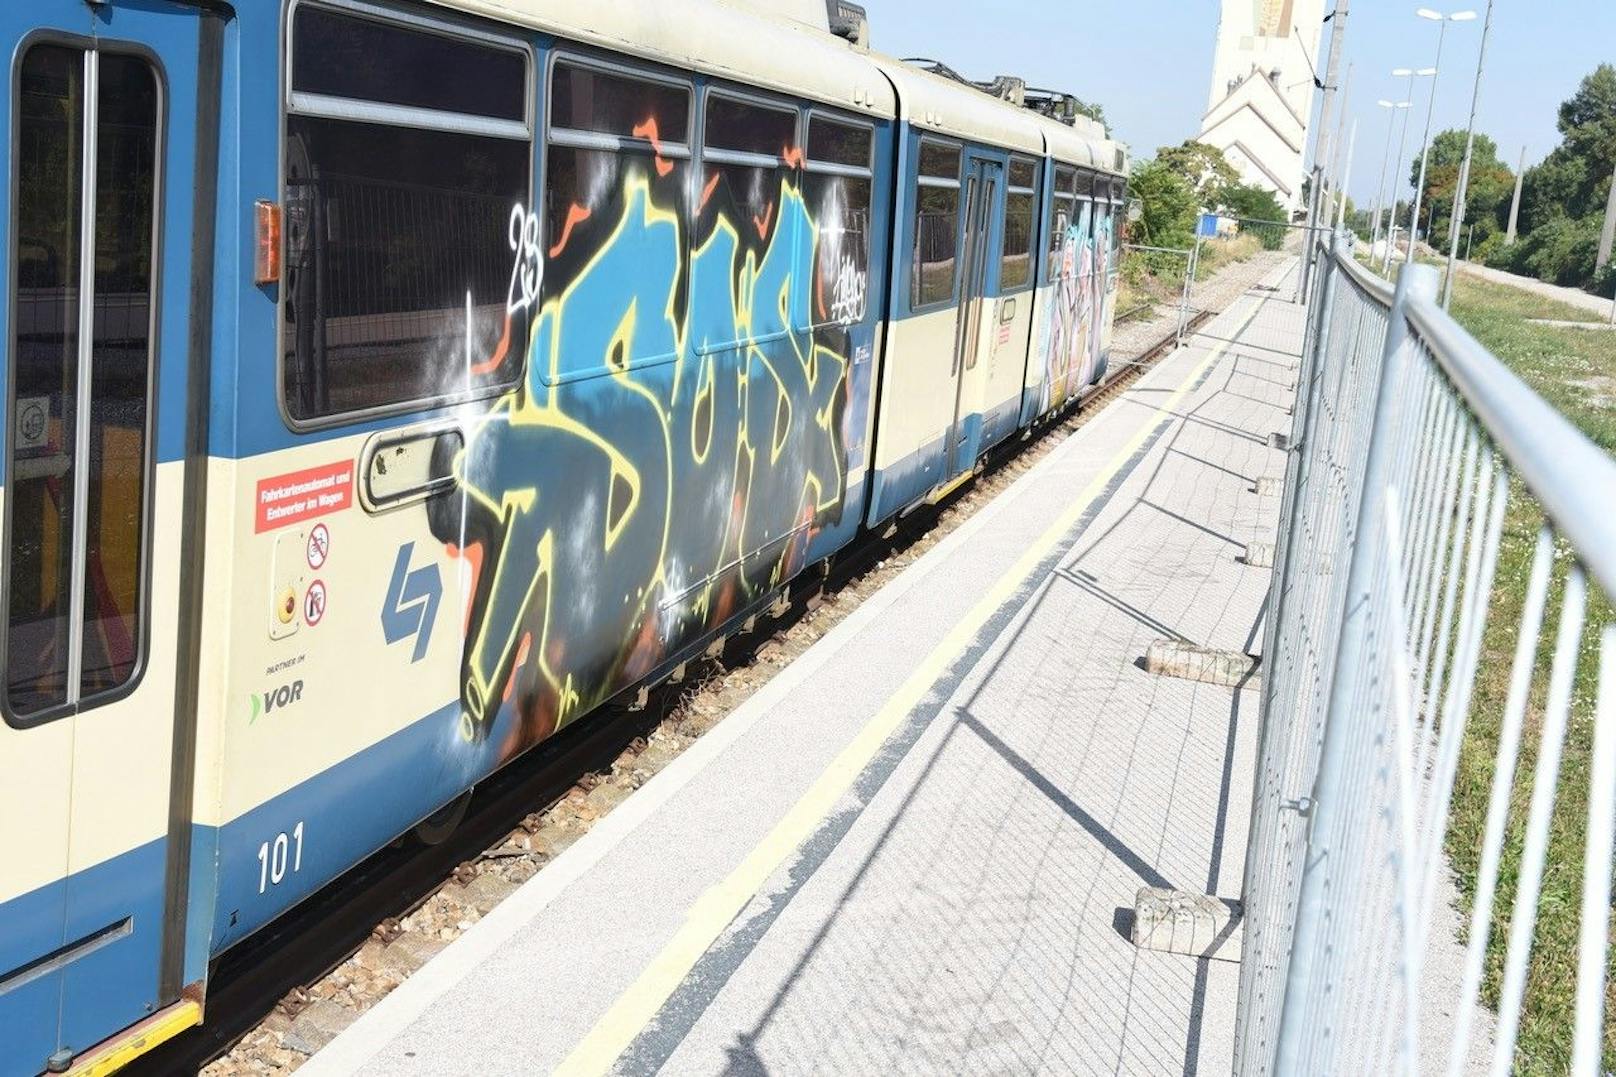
(48, 544)
(584, 99)
(398, 254)
(939, 160)
(741, 125)
(1065, 179)
(401, 242)
(841, 208)
(1015, 266)
(1085, 184)
(936, 240)
(747, 195)
(1022, 172)
(838, 143)
(347, 56)
(585, 186)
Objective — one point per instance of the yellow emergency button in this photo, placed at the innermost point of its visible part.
(286, 607)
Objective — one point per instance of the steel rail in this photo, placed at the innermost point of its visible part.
(1570, 476)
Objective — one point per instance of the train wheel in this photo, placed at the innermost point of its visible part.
(436, 828)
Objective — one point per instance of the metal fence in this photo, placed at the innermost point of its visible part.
(1413, 453)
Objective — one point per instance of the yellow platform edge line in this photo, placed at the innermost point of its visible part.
(158, 1029)
(711, 913)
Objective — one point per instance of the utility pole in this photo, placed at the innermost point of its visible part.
(1340, 140)
(1515, 203)
(1457, 223)
(1608, 233)
(1321, 144)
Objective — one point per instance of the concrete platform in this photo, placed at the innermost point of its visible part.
(916, 849)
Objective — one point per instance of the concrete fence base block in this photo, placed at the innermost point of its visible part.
(1175, 658)
(1173, 922)
(1277, 440)
(1260, 554)
(1270, 486)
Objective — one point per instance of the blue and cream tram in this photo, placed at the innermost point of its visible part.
(389, 384)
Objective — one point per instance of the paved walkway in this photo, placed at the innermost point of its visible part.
(914, 849)
(1576, 297)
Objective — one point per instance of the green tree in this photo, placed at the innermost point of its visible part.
(1492, 185)
(1563, 196)
(1588, 123)
(1254, 205)
(1168, 203)
(1550, 188)
(1202, 166)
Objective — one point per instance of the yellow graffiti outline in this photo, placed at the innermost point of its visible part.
(523, 408)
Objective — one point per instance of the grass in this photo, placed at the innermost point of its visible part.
(1575, 370)
(1152, 278)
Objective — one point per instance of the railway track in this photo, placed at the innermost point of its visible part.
(319, 935)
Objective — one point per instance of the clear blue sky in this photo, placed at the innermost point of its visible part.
(1148, 62)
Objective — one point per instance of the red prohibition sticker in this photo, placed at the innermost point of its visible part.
(302, 495)
(314, 603)
(319, 545)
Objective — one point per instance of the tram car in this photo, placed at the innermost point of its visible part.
(389, 384)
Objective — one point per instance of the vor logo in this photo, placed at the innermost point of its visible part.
(412, 602)
(275, 699)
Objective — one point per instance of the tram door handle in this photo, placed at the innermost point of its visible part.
(401, 466)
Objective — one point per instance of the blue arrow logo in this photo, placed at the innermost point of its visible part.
(412, 602)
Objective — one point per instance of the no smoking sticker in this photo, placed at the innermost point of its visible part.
(319, 545)
(314, 603)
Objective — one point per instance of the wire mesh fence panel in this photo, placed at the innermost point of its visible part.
(1436, 755)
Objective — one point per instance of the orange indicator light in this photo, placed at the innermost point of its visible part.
(267, 254)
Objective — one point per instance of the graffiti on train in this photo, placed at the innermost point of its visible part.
(677, 440)
(1070, 337)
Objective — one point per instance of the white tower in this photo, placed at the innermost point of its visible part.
(1262, 91)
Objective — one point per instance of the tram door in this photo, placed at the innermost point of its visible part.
(982, 181)
(97, 315)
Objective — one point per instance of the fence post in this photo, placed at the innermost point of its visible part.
(1327, 883)
(1190, 264)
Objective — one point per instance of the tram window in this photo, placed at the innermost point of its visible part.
(841, 209)
(616, 103)
(749, 128)
(837, 189)
(1062, 218)
(837, 143)
(1020, 213)
(939, 160)
(936, 225)
(58, 653)
(399, 232)
(1065, 180)
(743, 162)
(1062, 215)
(343, 55)
(604, 127)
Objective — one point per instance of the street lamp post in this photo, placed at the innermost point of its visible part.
(1464, 168)
(1341, 212)
(1380, 187)
(1397, 166)
(1425, 145)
